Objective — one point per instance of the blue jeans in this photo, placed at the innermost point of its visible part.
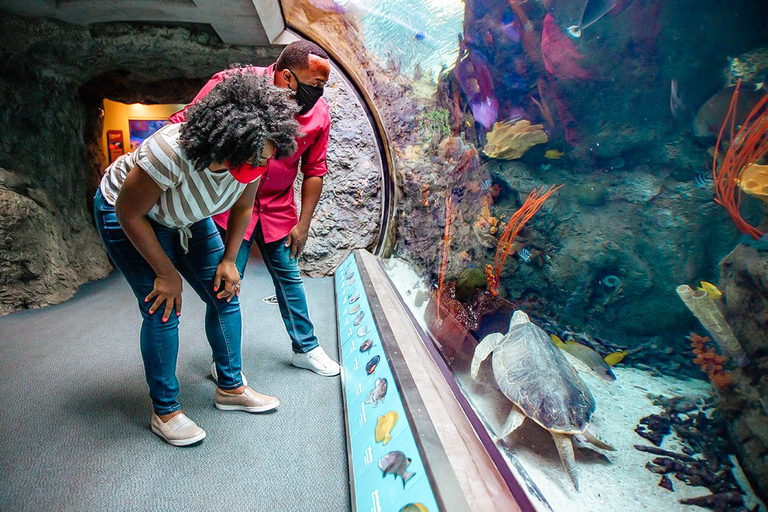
(160, 341)
(289, 287)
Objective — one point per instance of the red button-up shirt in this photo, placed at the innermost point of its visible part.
(275, 204)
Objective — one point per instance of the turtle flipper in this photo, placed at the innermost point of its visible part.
(565, 449)
(483, 350)
(594, 438)
(514, 420)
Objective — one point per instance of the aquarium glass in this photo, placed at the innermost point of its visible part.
(580, 229)
(140, 129)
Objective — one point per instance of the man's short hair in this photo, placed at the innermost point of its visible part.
(296, 55)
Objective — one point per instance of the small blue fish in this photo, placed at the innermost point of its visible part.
(419, 36)
(702, 181)
(485, 184)
(525, 254)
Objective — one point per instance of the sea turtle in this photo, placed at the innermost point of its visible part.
(535, 375)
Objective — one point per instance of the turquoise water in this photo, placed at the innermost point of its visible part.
(407, 32)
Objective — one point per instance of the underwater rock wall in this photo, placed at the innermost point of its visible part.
(53, 79)
(744, 281)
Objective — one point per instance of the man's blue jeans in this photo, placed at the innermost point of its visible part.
(289, 287)
(160, 340)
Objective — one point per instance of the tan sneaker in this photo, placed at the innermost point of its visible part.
(249, 401)
(178, 431)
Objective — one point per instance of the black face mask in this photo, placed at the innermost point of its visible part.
(306, 95)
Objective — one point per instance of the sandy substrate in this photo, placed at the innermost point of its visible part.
(608, 481)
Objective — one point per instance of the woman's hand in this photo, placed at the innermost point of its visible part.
(227, 272)
(167, 291)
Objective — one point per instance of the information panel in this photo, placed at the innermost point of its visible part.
(387, 473)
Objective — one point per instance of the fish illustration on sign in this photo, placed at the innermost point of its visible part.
(384, 426)
(359, 318)
(587, 355)
(354, 309)
(395, 463)
(362, 331)
(414, 507)
(377, 393)
(366, 346)
(354, 299)
(370, 367)
(349, 275)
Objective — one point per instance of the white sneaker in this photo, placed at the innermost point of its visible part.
(317, 361)
(215, 376)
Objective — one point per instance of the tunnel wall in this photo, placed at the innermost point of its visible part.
(53, 81)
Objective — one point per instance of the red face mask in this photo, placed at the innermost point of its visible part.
(245, 172)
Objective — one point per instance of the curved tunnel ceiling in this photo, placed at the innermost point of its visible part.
(236, 22)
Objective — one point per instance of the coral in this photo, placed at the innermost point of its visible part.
(532, 204)
(709, 360)
(436, 124)
(706, 311)
(754, 181)
(446, 246)
(508, 141)
(749, 67)
(748, 146)
(425, 194)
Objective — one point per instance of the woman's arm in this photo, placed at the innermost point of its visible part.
(239, 217)
(137, 196)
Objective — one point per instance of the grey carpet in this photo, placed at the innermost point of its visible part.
(74, 411)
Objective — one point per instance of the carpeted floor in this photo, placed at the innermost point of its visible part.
(74, 411)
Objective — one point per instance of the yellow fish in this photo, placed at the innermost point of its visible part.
(414, 507)
(711, 290)
(384, 426)
(615, 357)
(556, 340)
(553, 154)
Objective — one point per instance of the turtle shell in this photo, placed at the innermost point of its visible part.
(535, 375)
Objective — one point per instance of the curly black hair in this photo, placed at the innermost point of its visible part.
(233, 121)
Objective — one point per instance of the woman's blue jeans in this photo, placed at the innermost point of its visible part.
(160, 340)
(289, 288)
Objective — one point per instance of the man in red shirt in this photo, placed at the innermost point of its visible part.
(275, 225)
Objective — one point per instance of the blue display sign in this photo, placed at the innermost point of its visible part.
(388, 474)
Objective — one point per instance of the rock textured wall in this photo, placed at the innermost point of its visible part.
(744, 281)
(348, 214)
(52, 81)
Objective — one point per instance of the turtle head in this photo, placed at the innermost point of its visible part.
(518, 318)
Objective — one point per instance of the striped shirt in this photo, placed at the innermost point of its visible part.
(188, 196)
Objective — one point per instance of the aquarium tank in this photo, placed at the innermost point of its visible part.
(579, 225)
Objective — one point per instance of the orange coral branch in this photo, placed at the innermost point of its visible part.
(748, 146)
(532, 204)
(446, 245)
(710, 361)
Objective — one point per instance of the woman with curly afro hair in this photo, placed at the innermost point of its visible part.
(153, 210)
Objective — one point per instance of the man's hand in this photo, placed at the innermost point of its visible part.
(296, 240)
(227, 273)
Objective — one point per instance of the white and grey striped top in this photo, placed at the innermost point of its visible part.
(188, 196)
